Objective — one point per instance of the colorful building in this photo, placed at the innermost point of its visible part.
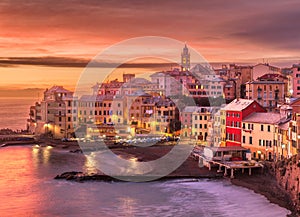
(267, 93)
(258, 134)
(236, 111)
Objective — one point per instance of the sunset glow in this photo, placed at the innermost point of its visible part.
(68, 33)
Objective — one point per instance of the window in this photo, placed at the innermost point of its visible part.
(261, 127)
(196, 125)
(244, 139)
(244, 126)
(269, 128)
(250, 140)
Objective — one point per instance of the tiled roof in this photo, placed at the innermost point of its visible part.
(59, 89)
(265, 82)
(190, 109)
(284, 126)
(238, 105)
(264, 118)
(271, 76)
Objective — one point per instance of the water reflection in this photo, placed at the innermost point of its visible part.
(41, 155)
(27, 188)
(128, 206)
(17, 182)
(90, 164)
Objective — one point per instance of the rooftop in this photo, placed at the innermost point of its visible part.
(271, 76)
(265, 82)
(238, 105)
(57, 89)
(264, 118)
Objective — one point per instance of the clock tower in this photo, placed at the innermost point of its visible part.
(185, 59)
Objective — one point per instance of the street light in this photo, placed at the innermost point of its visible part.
(282, 147)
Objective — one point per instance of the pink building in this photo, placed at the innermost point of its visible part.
(296, 80)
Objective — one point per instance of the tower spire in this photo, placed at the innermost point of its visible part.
(185, 58)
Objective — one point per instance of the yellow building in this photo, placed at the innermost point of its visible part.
(223, 127)
(258, 135)
(56, 114)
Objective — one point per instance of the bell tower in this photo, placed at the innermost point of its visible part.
(185, 59)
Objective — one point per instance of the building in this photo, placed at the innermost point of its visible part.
(230, 89)
(185, 59)
(35, 118)
(241, 72)
(215, 133)
(258, 134)
(267, 93)
(56, 115)
(166, 115)
(236, 111)
(171, 83)
(200, 120)
(186, 121)
(296, 80)
(223, 127)
(262, 69)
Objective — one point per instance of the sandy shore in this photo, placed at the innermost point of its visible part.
(266, 185)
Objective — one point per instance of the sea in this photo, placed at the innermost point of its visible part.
(28, 187)
(14, 111)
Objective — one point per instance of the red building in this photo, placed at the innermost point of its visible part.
(236, 111)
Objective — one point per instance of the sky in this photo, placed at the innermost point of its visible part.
(43, 43)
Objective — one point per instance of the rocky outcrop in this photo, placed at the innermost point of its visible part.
(287, 173)
(80, 177)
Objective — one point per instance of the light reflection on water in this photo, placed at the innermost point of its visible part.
(27, 188)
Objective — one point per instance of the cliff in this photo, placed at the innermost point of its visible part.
(287, 173)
